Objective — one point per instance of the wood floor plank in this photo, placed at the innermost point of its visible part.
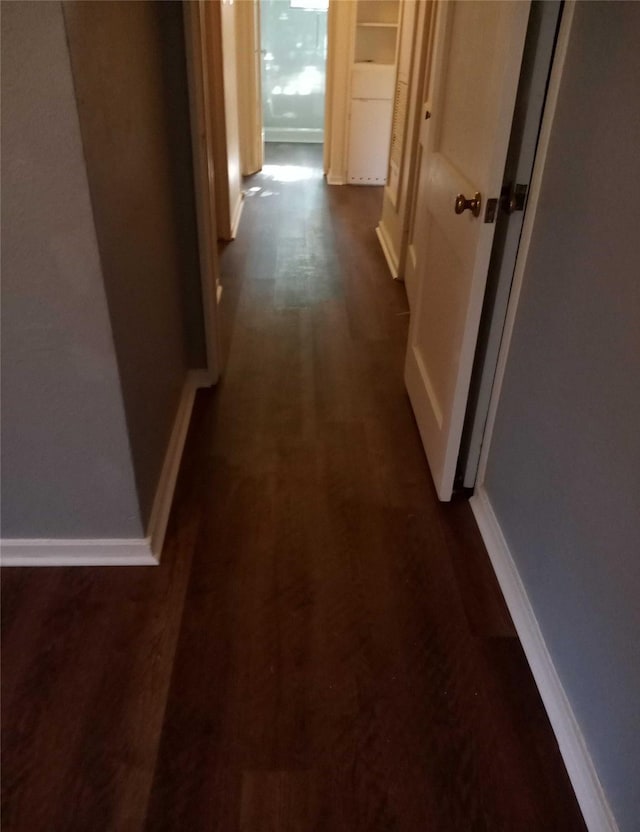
(81, 732)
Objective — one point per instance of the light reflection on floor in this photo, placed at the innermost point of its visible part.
(291, 173)
(283, 173)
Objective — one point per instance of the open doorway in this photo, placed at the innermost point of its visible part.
(293, 42)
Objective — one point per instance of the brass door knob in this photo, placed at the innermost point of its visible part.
(464, 204)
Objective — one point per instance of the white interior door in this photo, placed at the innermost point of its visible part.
(476, 56)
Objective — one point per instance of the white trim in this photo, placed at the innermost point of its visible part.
(387, 249)
(527, 228)
(169, 474)
(341, 20)
(582, 773)
(116, 552)
(537, 64)
(294, 135)
(120, 551)
(199, 378)
(237, 213)
(248, 62)
(202, 151)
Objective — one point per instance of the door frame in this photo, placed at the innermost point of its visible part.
(523, 144)
(204, 181)
(341, 23)
(420, 104)
(249, 68)
(548, 116)
(418, 96)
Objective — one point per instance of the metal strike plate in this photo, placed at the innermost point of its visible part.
(491, 210)
(513, 198)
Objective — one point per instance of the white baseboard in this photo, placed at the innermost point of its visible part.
(42, 552)
(387, 249)
(169, 474)
(333, 179)
(119, 551)
(237, 213)
(199, 378)
(294, 135)
(582, 773)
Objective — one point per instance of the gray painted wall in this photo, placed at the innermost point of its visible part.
(176, 93)
(564, 467)
(66, 464)
(129, 75)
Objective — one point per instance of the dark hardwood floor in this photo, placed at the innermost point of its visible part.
(324, 647)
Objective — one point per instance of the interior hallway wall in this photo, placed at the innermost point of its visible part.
(563, 473)
(66, 465)
(176, 89)
(340, 26)
(129, 74)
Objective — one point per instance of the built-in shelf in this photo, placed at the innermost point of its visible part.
(376, 35)
(378, 11)
(376, 44)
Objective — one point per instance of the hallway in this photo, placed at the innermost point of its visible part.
(324, 646)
